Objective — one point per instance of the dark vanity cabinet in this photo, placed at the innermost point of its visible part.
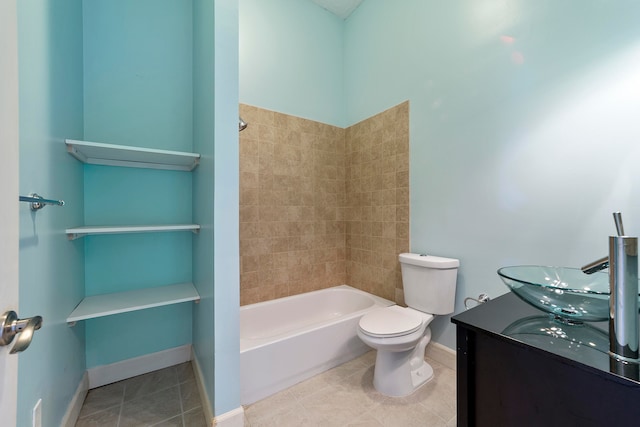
(541, 377)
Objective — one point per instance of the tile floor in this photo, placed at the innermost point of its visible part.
(344, 396)
(341, 397)
(168, 397)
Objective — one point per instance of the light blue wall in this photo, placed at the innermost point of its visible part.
(137, 91)
(291, 59)
(138, 76)
(203, 182)
(522, 121)
(226, 206)
(216, 249)
(524, 129)
(216, 336)
(51, 267)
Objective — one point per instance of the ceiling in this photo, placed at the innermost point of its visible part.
(341, 8)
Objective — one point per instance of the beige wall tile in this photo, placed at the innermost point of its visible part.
(321, 205)
(293, 194)
(378, 198)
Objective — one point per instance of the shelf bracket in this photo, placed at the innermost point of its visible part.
(74, 236)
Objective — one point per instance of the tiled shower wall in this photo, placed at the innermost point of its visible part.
(322, 206)
(292, 194)
(377, 183)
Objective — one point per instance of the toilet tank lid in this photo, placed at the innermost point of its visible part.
(429, 261)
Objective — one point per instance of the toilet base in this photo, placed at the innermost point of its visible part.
(400, 373)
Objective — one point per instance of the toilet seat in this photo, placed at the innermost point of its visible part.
(390, 322)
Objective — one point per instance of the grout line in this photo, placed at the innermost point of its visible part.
(124, 390)
(91, 414)
(165, 420)
(180, 397)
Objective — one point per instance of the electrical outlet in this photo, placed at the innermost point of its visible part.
(37, 414)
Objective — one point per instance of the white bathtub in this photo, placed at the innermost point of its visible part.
(288, 340)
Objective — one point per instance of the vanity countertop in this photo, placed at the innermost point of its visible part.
(517, 366)
(510, 318)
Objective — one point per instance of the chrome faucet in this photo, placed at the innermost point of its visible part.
(624, 326)
(602, 263)
(595, 266)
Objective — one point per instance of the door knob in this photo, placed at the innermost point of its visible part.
(10, 326)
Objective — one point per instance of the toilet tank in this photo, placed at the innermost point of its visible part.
(429, 282)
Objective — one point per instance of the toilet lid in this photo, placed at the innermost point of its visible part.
(387, 322)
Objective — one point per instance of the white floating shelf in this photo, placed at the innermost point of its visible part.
(98, 153)
(77, 232)
(123, 302)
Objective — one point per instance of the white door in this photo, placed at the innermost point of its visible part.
(9, 226)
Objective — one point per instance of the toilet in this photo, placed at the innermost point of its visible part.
(401, 334)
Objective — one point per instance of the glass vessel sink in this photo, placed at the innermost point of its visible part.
(568, 293)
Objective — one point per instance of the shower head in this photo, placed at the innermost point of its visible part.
(241, 125)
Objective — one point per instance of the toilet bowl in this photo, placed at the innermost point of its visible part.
(401, 334)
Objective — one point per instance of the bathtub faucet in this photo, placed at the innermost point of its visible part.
(624, 330)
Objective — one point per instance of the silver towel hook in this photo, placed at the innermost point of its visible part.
(38, 202)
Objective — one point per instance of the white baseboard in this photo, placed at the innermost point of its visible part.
(107, 374)
(204, 395)
(442, 354)
(73, 410)
(234, 418)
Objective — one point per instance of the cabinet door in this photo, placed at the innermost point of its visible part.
(504, 383)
